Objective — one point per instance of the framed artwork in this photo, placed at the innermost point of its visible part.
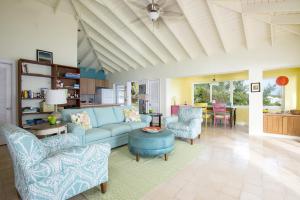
(255, 87)
(44, 56)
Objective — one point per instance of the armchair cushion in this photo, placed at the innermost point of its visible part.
(59, 142)
(171, 119)
(186, 114)
(66, 160)
(179, 126)
(146, 118)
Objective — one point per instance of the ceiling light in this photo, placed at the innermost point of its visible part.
(154, 15)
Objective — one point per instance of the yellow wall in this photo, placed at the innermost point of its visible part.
(182, 89)
(292, 94)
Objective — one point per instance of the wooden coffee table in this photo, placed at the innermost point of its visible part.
(46, 129)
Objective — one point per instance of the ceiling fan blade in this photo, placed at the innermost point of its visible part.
(171, 14)
(136, 4)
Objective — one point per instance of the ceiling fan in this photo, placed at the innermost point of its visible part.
(155, 10)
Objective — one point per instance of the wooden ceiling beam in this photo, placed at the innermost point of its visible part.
(158, 48)
(109, 62)
(286, 19)
(271, 6)
(113, 47)
(217, 24)
(145, 54)
(200, 40)
(112, 56)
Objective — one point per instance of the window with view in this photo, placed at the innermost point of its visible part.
(229, 92)
(201, 93)
(272, 93)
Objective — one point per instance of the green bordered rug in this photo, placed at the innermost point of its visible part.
(129, 179)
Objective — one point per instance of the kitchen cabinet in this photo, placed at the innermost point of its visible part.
(87, 86)
(284, 124)
(102, 83)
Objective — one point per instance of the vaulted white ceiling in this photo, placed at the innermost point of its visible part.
(111, 37)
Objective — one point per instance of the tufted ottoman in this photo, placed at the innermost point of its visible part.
(141, 143)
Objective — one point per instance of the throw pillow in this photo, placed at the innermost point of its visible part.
(82, 119)
(132, 115)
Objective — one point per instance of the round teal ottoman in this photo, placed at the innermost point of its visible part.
(141, 143)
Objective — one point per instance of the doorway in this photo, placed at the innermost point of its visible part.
(6, 94)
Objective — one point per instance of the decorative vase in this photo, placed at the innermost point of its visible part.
(52, 119)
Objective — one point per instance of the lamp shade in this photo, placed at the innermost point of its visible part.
(55, 97)
(282, 80)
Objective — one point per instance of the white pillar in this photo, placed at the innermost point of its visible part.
(165, 99)
(255, 102)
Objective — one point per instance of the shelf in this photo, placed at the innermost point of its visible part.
(37, 75)
(68, 78)
(69, 88)
(37, 113)
(73, 98)
(34, 99)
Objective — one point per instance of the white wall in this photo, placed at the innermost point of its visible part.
(29, 25)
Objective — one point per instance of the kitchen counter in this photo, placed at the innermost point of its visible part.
(85, 105)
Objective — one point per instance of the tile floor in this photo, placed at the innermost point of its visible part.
(231, 165)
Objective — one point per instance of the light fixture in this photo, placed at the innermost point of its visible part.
(154, 15)
(55, 97)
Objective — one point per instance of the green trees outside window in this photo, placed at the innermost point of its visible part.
(272, 93)
(229, 92)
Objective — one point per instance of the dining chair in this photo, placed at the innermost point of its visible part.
(220, 113)
(206, 116)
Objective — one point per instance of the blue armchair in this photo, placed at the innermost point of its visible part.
(56, 167)
(187, 124)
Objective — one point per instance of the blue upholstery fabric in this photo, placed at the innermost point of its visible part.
(105, 116)
(117, 129)
(150, 144)
(66, 115)
(52, 168)
(137, 125)
(187, 124)
(96, 134)
(118, 110)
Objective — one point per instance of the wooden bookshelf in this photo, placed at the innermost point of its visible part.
(57, 72)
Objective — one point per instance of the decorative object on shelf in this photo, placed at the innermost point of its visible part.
(56, 97)
(282, 80)
(255, 87)
(45, 107)
(72, 75)
(44, 56)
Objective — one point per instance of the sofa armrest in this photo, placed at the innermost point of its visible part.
(68, 159)
(170, 119)
(77, 130)
(195, 123)
(146, 118)
(59, 142)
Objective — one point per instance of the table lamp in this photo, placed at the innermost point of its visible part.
(55, 97)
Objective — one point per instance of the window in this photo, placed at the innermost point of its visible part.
(272, 93)
(201, 93)
(229, 92)
(120, 94)
(221, 92)
(240, 93)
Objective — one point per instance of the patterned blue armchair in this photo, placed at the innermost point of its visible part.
(187, 124)
(56, 167)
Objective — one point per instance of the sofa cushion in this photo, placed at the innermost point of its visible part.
(105, 116)
(136, 125)
(66, 115)
(117, 129)
(95, 134)
(119, 113)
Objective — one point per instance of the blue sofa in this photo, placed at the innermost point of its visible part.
(54, 168)
(108, 125)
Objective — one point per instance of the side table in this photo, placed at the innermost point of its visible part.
(153, 115)
(45, 129)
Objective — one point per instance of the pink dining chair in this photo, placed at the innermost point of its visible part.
(220, 113)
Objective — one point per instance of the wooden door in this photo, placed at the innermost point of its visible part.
(5, 95)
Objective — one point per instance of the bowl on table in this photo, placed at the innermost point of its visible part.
(152, 129)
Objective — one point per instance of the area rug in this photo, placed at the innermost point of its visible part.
(129, 179)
